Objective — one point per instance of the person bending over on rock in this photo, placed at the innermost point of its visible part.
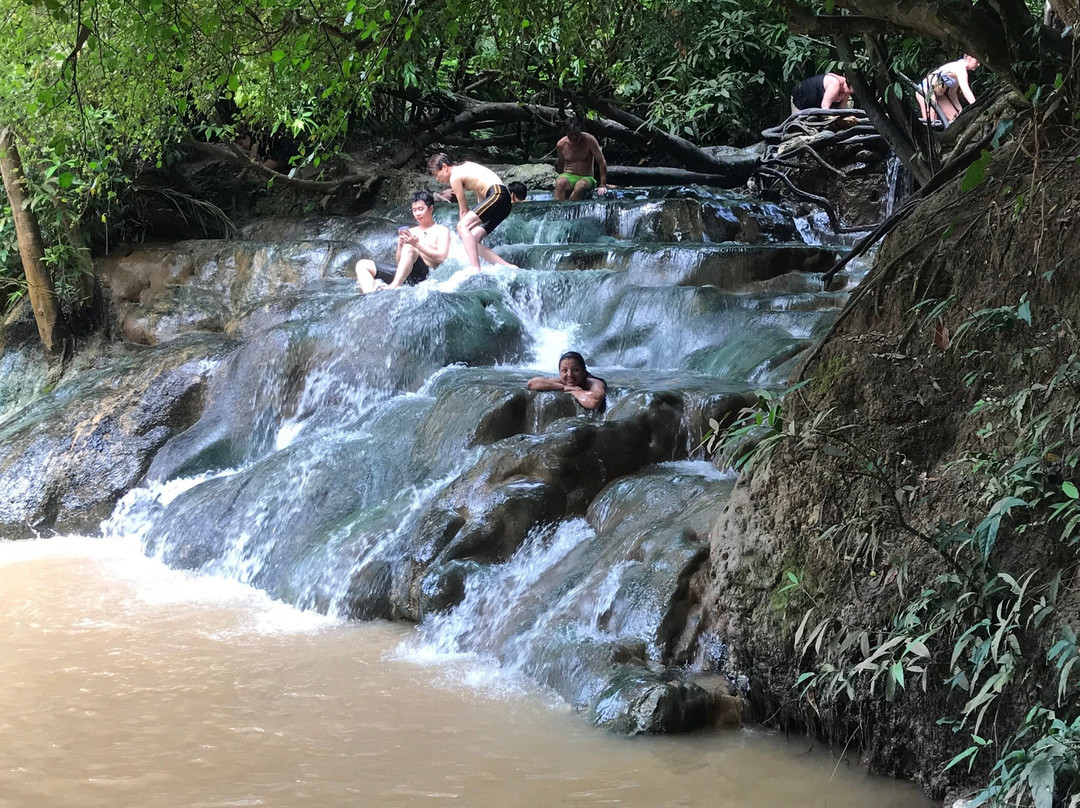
(518, 192)
(824, 91)
(419, 249)
(943, 86)
(577, 152)
(493, 206)
(590, 391)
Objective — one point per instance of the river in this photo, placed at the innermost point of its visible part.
(129, 684)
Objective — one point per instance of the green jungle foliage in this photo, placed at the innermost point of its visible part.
(97, 91)
(987, 633)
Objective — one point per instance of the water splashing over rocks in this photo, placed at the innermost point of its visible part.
(380, 456)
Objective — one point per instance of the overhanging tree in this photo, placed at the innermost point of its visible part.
(31, 248)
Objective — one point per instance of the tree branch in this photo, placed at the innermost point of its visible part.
(235, 154)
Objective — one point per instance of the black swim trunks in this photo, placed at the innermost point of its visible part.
(494, 207)
(809, 93)
(419, 272)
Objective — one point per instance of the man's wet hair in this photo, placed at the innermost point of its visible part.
(437, 161)
(575, 356)
(573, 125)
(423, 196)
(518, 189)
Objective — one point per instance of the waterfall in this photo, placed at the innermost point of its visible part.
(897, 185)
(380, 456)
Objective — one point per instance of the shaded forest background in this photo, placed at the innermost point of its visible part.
(102, 98)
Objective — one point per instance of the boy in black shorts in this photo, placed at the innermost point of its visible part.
(493, 206)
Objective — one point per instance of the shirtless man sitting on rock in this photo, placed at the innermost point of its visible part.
(419, 250)
(577, 151)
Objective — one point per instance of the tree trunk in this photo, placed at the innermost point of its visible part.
(893, 132)
(735, 177)
(1066, 11)
(31, 249)
(681, 149)
(469, 114)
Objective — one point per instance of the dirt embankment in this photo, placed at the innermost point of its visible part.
(894, 388)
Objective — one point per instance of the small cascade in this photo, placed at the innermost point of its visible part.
(897, 184)
(380, 456)
(583, 602)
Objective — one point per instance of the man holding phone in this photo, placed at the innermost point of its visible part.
(419, 250)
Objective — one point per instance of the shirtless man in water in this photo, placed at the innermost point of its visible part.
(419, 249)
(493, 206)
(577, 151)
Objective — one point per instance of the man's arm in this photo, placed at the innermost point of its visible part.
(598, 156)
(458, 187)
(560, 161)
(832, 92)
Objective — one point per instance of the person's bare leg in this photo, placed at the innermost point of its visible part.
(948, 109)
(924, 111)
(562, 189)
(405, 263)
(469, 240)
(365, 275)
(490, 255)
(581, 188)
(954, 99)
(933, 107)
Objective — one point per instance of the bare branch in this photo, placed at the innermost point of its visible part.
(235, 154)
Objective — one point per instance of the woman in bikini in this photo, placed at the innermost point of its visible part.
(943, 87)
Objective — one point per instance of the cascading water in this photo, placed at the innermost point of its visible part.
(380, 457)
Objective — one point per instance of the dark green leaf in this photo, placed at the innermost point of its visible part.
(976, 173)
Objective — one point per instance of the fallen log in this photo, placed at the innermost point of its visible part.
(459, 114)
(469, 114)
(734, 177)
(691, 156)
